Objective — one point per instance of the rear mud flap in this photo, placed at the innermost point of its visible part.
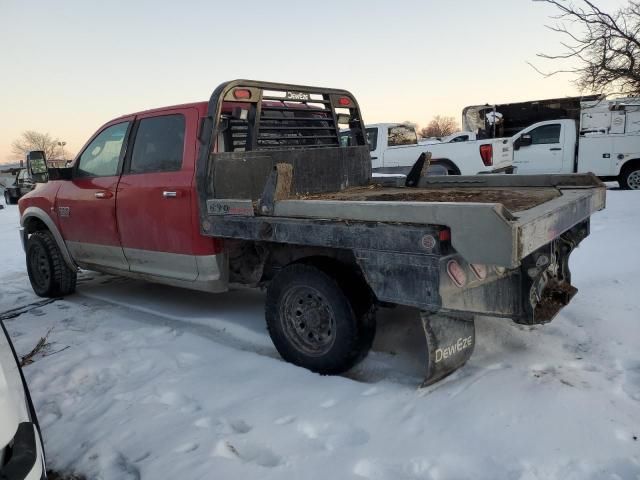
(450, 343)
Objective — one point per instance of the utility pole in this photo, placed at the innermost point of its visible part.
(61, 145)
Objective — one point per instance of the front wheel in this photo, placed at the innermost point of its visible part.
(314, 323)
(630, 178)
(48, 273)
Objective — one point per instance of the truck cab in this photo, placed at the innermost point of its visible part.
(391, 145)
(546, 147)
(127, 204)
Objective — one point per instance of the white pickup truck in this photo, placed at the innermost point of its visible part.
(605, 141)
(395, 148)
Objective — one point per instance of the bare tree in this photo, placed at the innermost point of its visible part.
(602, 49)
(439, 126)
(32, 140)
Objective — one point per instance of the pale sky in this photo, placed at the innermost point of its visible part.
(67, 67)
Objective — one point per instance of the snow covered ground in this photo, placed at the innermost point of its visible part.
(145, 381)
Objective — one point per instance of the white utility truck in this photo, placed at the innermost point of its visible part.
(395, 148)
(605, 141)
(571, 135)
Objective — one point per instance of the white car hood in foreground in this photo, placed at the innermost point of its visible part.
(13, 402)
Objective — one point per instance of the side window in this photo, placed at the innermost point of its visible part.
(372, 138)
(402, 135)
(101, 157)
(460, 138)
(545, 134)
(159, 144)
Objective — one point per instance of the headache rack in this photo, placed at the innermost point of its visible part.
(277, 117)
(252, 126)
(306, 124)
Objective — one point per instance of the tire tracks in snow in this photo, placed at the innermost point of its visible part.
(210, 332)
(119, 302)
(16, 312)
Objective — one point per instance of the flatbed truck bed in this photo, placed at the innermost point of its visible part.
(519, 214)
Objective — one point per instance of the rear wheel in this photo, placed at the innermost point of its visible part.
(445, 165)
(8, 199)
(316, 323)
(48, 273)
(630, 177)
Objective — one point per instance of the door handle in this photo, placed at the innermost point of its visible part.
(166, 194)
(555, 149)
(103, 195)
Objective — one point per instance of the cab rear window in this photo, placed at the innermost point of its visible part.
(347, 140)
(402, 135)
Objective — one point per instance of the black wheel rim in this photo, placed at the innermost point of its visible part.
(308, 320)
(39, 266)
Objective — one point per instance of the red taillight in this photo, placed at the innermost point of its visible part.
(486, 152)
(242, 94)
(444, 235)
(456, 273)
(344, 101)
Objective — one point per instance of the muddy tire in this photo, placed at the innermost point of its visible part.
(630, 177)
(315, 322)
(48, 273)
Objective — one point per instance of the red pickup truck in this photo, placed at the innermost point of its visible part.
(254, 188)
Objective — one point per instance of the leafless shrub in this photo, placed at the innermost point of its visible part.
(439, 126)
(39, 348)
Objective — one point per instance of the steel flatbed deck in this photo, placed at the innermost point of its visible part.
(531, 211)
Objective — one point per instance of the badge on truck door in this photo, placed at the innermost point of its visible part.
(220, 206)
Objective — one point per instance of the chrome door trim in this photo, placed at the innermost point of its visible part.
(212, 274)
(162, 264)
(99, 255)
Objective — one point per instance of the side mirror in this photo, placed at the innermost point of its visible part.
(37, 166)
(524, 140)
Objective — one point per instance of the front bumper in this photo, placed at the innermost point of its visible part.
(25, 456)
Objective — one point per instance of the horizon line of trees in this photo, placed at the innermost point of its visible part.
(439, 126)
(32, 140)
